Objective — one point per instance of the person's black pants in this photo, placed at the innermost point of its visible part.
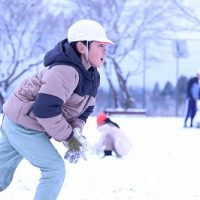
(191, 109)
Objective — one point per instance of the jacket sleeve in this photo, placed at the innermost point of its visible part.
(76, 122)
(86, 113)
(58, 85)
(195, 91)
(81, 120)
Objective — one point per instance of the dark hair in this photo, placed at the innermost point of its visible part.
(73, 45)
(109, 121)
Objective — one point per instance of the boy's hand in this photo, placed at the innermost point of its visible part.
(77, 146)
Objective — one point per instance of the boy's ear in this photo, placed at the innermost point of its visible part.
(80, 47)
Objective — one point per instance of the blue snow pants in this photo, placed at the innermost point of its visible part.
(18, 142)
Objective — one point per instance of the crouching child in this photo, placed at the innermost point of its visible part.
(112, 140)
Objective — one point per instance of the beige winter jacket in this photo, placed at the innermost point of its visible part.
(56, 99)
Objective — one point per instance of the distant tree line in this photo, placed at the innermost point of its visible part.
(159, 101)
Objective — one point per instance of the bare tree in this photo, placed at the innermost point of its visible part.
(20, 40)
(135, 26)
(27, 29)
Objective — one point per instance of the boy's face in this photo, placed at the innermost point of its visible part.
(97, 53)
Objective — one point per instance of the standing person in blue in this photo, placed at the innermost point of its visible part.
(191, 99)
(54, 103)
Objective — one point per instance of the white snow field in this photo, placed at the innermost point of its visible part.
(164, 164)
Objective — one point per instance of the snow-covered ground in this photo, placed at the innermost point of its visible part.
(164, 164)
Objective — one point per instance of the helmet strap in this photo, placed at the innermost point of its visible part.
(87, 53)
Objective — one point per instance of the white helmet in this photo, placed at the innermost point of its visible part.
(88, 30)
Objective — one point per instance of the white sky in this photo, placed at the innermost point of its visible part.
(167, 70)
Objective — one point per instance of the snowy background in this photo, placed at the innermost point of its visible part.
(164, 164)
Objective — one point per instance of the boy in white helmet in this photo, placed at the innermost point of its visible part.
(54, 103)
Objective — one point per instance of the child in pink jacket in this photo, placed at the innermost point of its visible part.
(112, 139)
